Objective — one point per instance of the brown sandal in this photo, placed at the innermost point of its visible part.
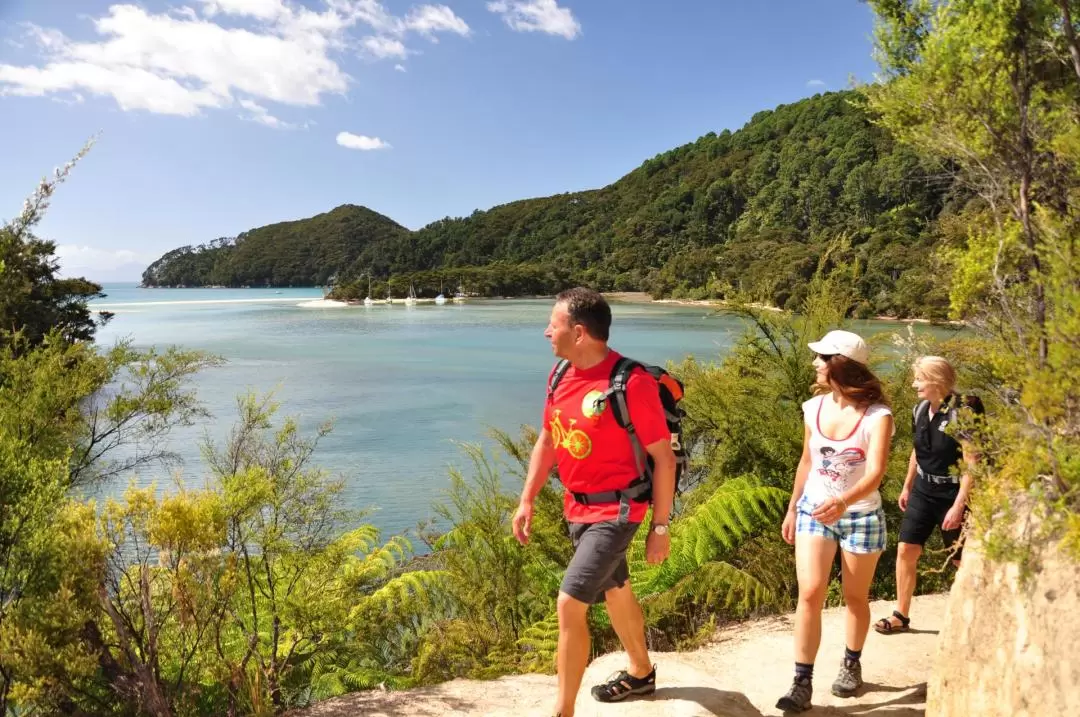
(886, 627)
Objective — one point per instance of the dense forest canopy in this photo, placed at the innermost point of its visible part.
(752, 212)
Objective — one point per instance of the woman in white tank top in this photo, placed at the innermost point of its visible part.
(835, 503)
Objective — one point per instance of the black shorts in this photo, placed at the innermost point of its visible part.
(599, 562)
(923, 514)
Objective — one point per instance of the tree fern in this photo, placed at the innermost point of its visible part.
(336, 672)
(414, 592)
(717, 586)
(714, 530)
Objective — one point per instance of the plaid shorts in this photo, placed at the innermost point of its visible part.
(856, 532)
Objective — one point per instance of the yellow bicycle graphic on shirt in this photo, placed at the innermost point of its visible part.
(574, 440)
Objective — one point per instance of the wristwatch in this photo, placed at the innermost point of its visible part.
(660, 528)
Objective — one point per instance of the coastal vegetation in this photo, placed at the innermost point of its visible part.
(749, 212)
(255, 592)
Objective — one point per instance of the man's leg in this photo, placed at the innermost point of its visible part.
(573, 651)
(599, 563)
(629, 624)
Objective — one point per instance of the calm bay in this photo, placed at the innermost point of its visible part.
(403, 385)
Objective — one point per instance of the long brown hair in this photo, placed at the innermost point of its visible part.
(854, 381)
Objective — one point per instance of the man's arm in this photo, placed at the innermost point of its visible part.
(658, 547)
(541, 462)
(663, 490)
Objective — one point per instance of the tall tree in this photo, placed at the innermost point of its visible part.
(34, 299)
(990, 88)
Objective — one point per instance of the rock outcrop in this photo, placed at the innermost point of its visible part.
(1010, 647)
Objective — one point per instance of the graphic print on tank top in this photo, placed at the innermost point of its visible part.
(836, 469)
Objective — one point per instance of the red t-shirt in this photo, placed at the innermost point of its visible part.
(592, 452)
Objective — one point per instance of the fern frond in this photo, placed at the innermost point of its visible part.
(747, 482)
(409, 593)
(540, 641)
(716, 528)
(719, 585)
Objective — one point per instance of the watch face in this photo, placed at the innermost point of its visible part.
(660, 529)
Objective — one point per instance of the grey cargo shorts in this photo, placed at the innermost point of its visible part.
(599, 562)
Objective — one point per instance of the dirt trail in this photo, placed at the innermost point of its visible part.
(740, 673)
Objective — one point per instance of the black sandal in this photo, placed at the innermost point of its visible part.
(622, 685)
(886, 627)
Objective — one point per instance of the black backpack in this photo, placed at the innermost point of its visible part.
(671, 393)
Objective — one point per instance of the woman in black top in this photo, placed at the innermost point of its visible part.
(937, 485)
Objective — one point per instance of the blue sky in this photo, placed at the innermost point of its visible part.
(217, 116)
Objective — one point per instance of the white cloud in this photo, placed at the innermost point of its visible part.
(430, 19)
(400, 68)
(76, 260)
(258, 113)
(537, 16)
(261, 9)
(816, 83)
(183, 62)
(359, 141)
(132, 88)
(44, 37)
(381, 47)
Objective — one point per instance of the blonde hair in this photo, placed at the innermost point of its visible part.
(936, 370)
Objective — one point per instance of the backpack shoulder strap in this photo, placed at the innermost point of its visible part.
(620, 378)
(920, 407)
(556, 376)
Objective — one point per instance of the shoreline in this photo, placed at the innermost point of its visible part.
(640, 297)
(338, 304)
(624, 297)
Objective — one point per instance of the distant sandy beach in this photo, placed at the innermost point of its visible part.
(322, 304)
(106, 305)
(640, 297)
(335, 304)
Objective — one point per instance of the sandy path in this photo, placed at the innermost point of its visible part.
(741, 673)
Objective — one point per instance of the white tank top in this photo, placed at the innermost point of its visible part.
(837, 465)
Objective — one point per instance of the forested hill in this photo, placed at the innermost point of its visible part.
(307, 252)
(751, 210)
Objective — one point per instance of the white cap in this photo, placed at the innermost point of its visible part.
(844, 343)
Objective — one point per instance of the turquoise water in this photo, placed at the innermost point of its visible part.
(402, 384)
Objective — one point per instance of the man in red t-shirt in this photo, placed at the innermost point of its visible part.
(595, 455)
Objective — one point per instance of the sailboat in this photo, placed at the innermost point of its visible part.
(440, 299)
(459, 295)
(410, 300)
(368, 301)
